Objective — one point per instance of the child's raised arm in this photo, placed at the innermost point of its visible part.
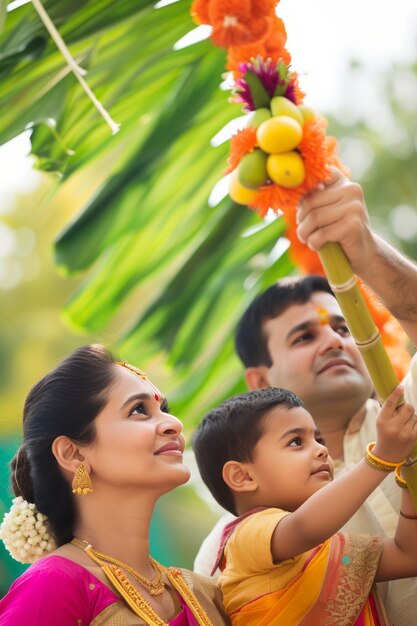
(325, 512)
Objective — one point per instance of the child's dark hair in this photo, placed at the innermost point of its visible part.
(251, 340)
(64, 402)
(230, 432)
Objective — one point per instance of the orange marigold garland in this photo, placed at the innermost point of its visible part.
(271, 46)
(235, 22)
(242, 142)
(283, 152)
(393, 335)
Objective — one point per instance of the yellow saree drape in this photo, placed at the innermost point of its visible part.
(334, 589)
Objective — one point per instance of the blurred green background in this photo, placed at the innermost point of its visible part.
(120, 239)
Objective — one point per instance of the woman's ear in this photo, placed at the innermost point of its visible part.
(237, 477)
(67, 454)
(257, 377)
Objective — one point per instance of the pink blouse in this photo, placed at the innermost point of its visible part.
(56, 590)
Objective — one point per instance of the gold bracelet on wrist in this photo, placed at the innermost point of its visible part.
(401, 482)
(377, 463)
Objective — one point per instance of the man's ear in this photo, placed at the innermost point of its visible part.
(257, 377)
(68, 454)
(238, 477)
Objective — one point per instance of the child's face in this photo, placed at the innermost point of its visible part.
(291, 461)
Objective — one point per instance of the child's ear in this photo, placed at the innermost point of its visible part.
(237, 477)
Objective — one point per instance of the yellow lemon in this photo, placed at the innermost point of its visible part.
(286, 169)
(279, 134)
(251, 171)
(239, 193)
(282, 106)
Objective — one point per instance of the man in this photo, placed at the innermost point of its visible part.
(294, 336)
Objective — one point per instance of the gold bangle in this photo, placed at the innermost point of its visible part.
(401, 482)
(377, 463)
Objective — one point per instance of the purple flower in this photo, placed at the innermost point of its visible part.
(242, 93)
(275, 77)
(290, 92)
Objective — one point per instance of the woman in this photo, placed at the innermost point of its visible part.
(99, 449)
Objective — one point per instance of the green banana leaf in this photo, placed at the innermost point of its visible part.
(165, 269)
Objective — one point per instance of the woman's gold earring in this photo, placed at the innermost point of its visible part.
(81, 483)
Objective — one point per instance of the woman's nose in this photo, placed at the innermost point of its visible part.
(170, 425)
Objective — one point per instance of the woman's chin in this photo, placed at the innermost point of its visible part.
(178, 476)
(186, 475)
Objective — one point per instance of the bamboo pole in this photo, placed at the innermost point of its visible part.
(367, 337)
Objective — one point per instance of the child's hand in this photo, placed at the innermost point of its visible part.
(396, 429)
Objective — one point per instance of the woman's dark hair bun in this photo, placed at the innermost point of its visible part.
(65, 402)
(20, 478)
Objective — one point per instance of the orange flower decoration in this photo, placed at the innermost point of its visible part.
(276, 198)
(232, 30)
(305, 259)
(277, 38)
(393, 335)
(272, 46)
(319, 152)
(235, 22)
(314, 150)
(380, 314)
(236, 55)
(200, 11)
(264, 7)
(242, 142)
(298, 92)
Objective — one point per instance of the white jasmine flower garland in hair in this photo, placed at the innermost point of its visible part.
(25, 533)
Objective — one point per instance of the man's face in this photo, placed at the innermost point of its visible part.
(314, 355)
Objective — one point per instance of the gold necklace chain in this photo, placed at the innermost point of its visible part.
(154, 586)
(134, 599)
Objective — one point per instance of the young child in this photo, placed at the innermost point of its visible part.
(283, 560)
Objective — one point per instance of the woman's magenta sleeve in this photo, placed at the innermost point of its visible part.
(67, 595)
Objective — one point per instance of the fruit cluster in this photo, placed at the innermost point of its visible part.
(276, 158)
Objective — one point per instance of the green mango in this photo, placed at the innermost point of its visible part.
(251, 171)
(283, 106)
(257, 117)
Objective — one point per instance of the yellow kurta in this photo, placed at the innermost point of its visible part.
(330, 585)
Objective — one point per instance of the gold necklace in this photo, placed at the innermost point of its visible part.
(134, 599)
(154, 586)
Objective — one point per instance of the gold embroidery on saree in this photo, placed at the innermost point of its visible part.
(357, 569)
